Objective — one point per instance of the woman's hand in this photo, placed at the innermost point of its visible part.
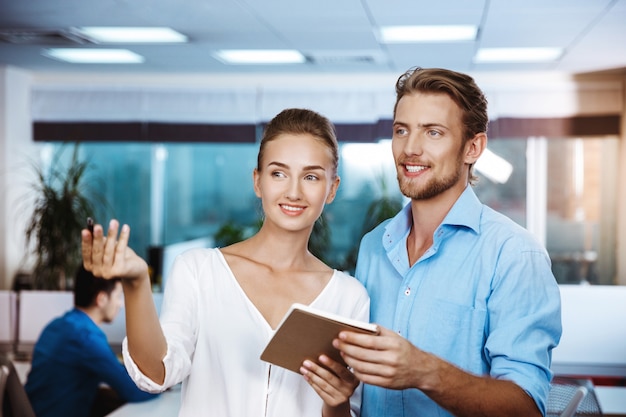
(333, 382)
(109, 256)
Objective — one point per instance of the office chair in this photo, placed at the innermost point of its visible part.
(570, 397)
(572, 406)
(4, 374)
(15, 402)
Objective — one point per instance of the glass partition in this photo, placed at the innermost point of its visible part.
(170, 193)
(581, 209)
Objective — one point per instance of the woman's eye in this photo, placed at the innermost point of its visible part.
(311, 177)
(278, 174)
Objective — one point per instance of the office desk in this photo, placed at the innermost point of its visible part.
(165, 405)
(612, 401)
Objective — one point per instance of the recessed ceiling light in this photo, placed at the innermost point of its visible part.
(99, 34)
(260, 56)
(94, 56)
(441, 33)
(485, 55)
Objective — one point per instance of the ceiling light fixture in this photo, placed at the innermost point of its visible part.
(486, 55)
(94, 56)
(260, 56)
(440, 33)
(101, 34)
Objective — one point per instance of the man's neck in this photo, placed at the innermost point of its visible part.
(93, 313)
(427, 215)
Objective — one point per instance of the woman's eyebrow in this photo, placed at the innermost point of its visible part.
(306, 168)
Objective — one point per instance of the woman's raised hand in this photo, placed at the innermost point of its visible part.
(109, 256)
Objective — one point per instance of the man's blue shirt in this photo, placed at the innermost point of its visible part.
(483, 297)
(70, 360)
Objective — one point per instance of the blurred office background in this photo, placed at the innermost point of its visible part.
(171, 138)
(176, 192)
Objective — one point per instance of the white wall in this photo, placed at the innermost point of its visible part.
(343, 98)
(16, 150)
(621, 201)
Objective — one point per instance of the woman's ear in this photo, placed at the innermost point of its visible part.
(255, 180)
(475, 147)
(333, 190)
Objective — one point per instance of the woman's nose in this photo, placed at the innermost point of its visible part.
(293, 191)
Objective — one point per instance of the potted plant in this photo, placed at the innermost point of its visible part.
(62, 202)
(232, 232)
(379, 210)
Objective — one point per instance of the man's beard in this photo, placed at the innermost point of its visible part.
(433, 187)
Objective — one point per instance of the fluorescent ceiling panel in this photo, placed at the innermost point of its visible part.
(260, 56)
(440, 33)
(485, 55)
(101, 34)
(94, 56)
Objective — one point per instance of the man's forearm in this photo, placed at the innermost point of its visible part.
(467, 395)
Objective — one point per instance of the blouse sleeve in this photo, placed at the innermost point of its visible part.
(179, 323)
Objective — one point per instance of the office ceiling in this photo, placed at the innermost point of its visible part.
(337, 36)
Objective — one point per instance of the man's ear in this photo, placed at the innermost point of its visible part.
(101, 299)
(475, 147)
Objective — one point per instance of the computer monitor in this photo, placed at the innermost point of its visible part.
(170, 252)
(594, 334)
(36, 309)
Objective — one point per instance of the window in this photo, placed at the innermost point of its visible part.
(562, 189)
(581, 208)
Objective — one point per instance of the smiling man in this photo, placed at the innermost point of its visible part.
(467, 299)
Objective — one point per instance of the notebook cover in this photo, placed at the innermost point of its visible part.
(307, 333)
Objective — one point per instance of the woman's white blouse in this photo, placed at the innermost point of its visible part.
(215, 336)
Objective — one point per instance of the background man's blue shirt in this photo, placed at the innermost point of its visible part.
(70, 360)
(482, 297)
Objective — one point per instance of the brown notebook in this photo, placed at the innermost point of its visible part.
(306, 333)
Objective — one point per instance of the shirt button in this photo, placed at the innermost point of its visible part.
(407, 291)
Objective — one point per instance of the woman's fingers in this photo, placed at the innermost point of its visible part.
(108, 255)
(122, 242)
(333, 382)
(86, 246)
(97, 249)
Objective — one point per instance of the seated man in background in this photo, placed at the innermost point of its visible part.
(72, 358)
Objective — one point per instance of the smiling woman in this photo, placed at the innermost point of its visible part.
(253, 283)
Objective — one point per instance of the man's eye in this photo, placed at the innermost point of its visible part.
(401, 131)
